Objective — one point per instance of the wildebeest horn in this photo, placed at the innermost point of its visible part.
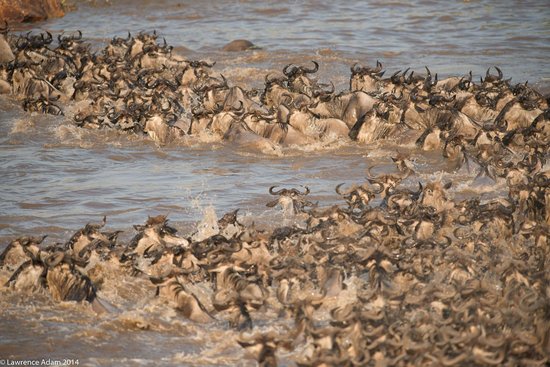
(499, 72)
(54, 259)
(224, 82)
(231, 246)
(313, 70)
(493, 78)
(419, 191)
(275, 192)
(286, 100)
(464, 84)
(340, 192)
(394, 78)
(240, 110)
(47, 40)
(410, 78)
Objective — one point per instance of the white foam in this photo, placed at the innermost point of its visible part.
(208, 226)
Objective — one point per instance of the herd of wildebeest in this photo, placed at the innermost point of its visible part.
(391, 276)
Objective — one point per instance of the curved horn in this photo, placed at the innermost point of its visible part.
(49, 39)
(464, 84)
(429, 74)
(394, 78)
(275, 192)
(410, 78)
(342, 193)
(238, 111)
(78, 37)
(395, 74)
(332, 88)
(54, 259)
(369, 174)
(446, 241)
(286, 100)
(419, 191)
(499, 73)
(231, 247)
(223, 83)
(313, 70)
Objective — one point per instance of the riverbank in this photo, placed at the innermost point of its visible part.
(26, 11)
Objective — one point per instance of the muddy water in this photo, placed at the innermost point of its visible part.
(56, 177)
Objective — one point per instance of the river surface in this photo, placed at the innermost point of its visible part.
(57, 177)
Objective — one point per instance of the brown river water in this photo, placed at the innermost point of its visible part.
(57, 177)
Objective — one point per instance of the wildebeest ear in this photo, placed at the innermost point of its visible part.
(448, 185)
(271, 204)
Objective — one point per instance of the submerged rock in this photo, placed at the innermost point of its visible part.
(239, 45)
